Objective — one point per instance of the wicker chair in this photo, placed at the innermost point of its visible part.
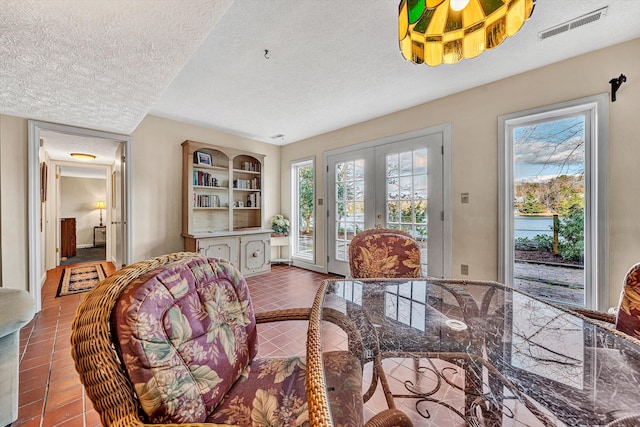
(194, 364)
(384, 253)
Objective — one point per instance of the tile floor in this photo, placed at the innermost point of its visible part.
(51, 393)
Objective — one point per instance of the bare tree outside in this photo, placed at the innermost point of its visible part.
(549, 191)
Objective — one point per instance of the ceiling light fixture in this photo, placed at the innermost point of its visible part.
(445, 31)
(82, 156)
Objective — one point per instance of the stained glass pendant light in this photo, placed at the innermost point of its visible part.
(445, 31)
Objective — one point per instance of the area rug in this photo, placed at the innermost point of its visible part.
(80, 279)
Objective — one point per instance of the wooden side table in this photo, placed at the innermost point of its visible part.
(99, 235)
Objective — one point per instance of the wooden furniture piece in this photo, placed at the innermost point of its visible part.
(68, 237)
(198, 332)
(99, 235)
(488, 354)
(222, 212)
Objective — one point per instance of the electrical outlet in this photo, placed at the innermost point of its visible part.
(464, 197)
(464, 269)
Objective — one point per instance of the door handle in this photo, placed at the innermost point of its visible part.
(115, 222)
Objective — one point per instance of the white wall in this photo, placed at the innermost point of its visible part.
(78, 198)
(157, 180)
(473, 115)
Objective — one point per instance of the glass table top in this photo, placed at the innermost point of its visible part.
(481, 353)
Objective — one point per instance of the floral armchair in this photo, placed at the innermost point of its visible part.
(384, 252)
(628, 317)
(173, 340)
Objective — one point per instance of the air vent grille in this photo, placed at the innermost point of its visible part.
(573, 24)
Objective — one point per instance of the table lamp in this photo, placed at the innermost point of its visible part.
(101, 205)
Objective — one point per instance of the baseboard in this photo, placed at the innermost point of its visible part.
(84, 246)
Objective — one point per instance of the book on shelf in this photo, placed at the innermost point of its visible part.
(205, 179)
(250, 166)
(247, 184)
(206, 201)
(253, 200)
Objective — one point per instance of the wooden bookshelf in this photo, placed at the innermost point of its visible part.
(222, 200)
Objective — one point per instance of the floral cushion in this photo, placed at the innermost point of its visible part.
(187, 337)
(387, 253)
(271, 393)
(186, 333)
(628, 318)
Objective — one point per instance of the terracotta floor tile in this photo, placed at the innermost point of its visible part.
(63, 414)
(92, 419)
(33, 422)
(32, 395)
(31, 410)
(63, 385)
(28, 382)
(56, 400)
(36, 362)
(63, 373)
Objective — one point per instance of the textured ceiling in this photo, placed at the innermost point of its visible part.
(336, 63)
(105, 64)
(97, 64)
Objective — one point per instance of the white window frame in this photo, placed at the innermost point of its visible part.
(596, 261)
(295, 254)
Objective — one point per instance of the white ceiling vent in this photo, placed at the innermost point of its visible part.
(573, 24)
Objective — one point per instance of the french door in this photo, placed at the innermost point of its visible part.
(394, 185)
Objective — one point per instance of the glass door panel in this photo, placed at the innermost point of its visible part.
(350, 180)
(549, 209)
(409, 168)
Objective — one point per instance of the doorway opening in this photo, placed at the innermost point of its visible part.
(50, 148)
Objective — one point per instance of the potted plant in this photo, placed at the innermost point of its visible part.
(280, 226)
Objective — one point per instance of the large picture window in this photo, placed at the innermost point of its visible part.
(553, 202)
(303, 209)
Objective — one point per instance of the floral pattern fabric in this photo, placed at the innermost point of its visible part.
(186, 332)
(187, 336)
(628, 317)
(271, 393)
(380, 252)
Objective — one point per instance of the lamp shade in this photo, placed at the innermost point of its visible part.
(433, 33)
(101, 205)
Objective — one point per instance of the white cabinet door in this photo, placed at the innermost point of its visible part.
(255, 254)
(220, 247)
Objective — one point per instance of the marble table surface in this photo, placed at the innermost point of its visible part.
(481, 353)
